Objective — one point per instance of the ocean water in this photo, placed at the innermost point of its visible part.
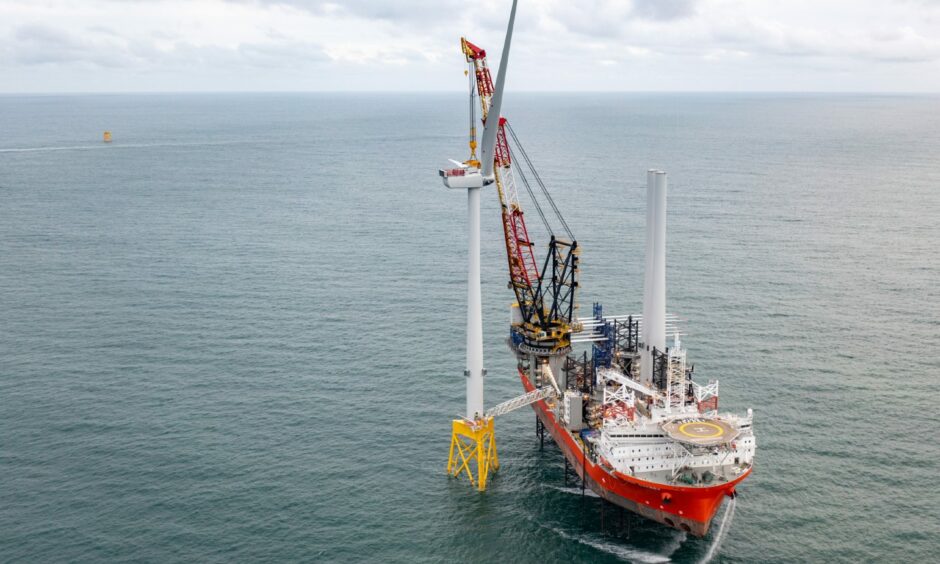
(237, 332)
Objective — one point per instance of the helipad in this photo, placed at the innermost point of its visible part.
(700, 431)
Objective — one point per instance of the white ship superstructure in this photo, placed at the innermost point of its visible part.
(673, 437)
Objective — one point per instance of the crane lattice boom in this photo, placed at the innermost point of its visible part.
(546, 296)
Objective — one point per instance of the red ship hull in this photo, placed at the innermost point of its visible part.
(689, 509)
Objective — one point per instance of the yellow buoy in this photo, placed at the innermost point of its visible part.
(107, 136)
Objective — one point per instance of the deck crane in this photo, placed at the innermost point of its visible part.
(543, 316)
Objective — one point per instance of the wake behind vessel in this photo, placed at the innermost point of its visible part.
(618, 400)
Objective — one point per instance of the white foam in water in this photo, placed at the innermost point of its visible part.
(577, 491)
(631, 554)
(675, 543)
(113, 145)
(44, 149)
(716, 544)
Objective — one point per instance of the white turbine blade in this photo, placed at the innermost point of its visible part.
(458, 163)
(492, 120)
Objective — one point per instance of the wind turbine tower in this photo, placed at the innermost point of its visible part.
(473, 439)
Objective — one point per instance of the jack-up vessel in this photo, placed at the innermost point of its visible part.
(626, 412)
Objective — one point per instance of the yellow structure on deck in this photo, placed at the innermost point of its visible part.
(107, 137)
(473, 443)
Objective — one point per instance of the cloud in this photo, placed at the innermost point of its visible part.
(875, 45)
(406, 12)
(664, 10)
(401, 12)
(39, 44)
(687, 28)
(411, 44)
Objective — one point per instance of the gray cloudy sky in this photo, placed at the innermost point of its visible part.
(682, 45)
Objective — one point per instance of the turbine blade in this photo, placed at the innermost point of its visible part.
(492, 120)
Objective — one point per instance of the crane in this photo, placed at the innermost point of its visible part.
(545, 298)
(543, 315)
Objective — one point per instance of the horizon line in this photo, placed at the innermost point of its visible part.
(463, 92)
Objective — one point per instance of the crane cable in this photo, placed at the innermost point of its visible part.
(528, 188)
(541, 184)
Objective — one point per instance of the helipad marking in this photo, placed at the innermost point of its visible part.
(698, 432)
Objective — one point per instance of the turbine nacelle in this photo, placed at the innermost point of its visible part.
(464, 176)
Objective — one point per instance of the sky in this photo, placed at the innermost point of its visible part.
(413, 45)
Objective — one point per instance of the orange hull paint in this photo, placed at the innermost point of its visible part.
(689, 509)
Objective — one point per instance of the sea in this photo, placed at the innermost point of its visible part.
(236, 333)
